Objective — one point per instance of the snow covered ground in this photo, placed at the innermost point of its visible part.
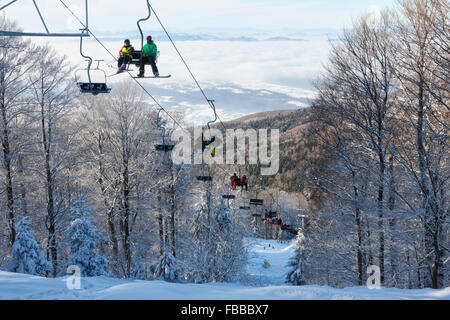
(268, 285)
(277, 254)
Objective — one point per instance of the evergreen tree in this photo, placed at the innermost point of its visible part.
(167, 269)
(230, 254)
(295, 275)
(85, 241)
(27, 255)
(223, 219)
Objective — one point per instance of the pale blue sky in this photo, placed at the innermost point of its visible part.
(199, 15)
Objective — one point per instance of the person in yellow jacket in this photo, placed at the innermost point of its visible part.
(149, 52)
(126, 55)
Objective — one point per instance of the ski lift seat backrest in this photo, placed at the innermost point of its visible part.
(204, 178)
(93, 87)
(164, 147)
(229, 196)
(137, 58)
(256, 202)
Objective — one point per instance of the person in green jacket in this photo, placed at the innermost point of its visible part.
(148, 56)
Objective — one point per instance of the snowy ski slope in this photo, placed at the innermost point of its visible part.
(267, 285)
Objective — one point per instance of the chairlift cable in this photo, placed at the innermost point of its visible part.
(135, 80)
(209, 101)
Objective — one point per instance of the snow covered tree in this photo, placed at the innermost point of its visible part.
(223, 219)
(167, 269)
(53, 141)
(85, 241)
(27, 255)
(219, 254)
(295, 275)
(16, 61)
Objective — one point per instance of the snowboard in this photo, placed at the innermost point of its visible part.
(153, 77)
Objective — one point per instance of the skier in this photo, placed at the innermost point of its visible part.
(266, 215)
(126, 55)
(148, 56)
(244, 183)
(234, 180)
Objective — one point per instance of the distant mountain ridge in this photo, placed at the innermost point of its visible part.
(161, 36)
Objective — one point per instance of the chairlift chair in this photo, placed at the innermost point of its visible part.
(91, 87)
(162, 147)
(137, 54)
(228, 196)
(205, 142)
(256, 202)
(204, 178)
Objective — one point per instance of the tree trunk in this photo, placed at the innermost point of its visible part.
(8, 178)
(126, 217)
(172, 213)
(23, 190)
(359, 255)
(110, 212)
(392, 221)
(161, 234)
(51, 240)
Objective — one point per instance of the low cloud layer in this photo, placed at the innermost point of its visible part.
(242, 76)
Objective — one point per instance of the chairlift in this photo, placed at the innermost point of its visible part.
(204, 178)
(256, 202)
(229, 196)
(162, 147)
(137, 54)
(205, 142)
(293, 231)
(91, 87)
